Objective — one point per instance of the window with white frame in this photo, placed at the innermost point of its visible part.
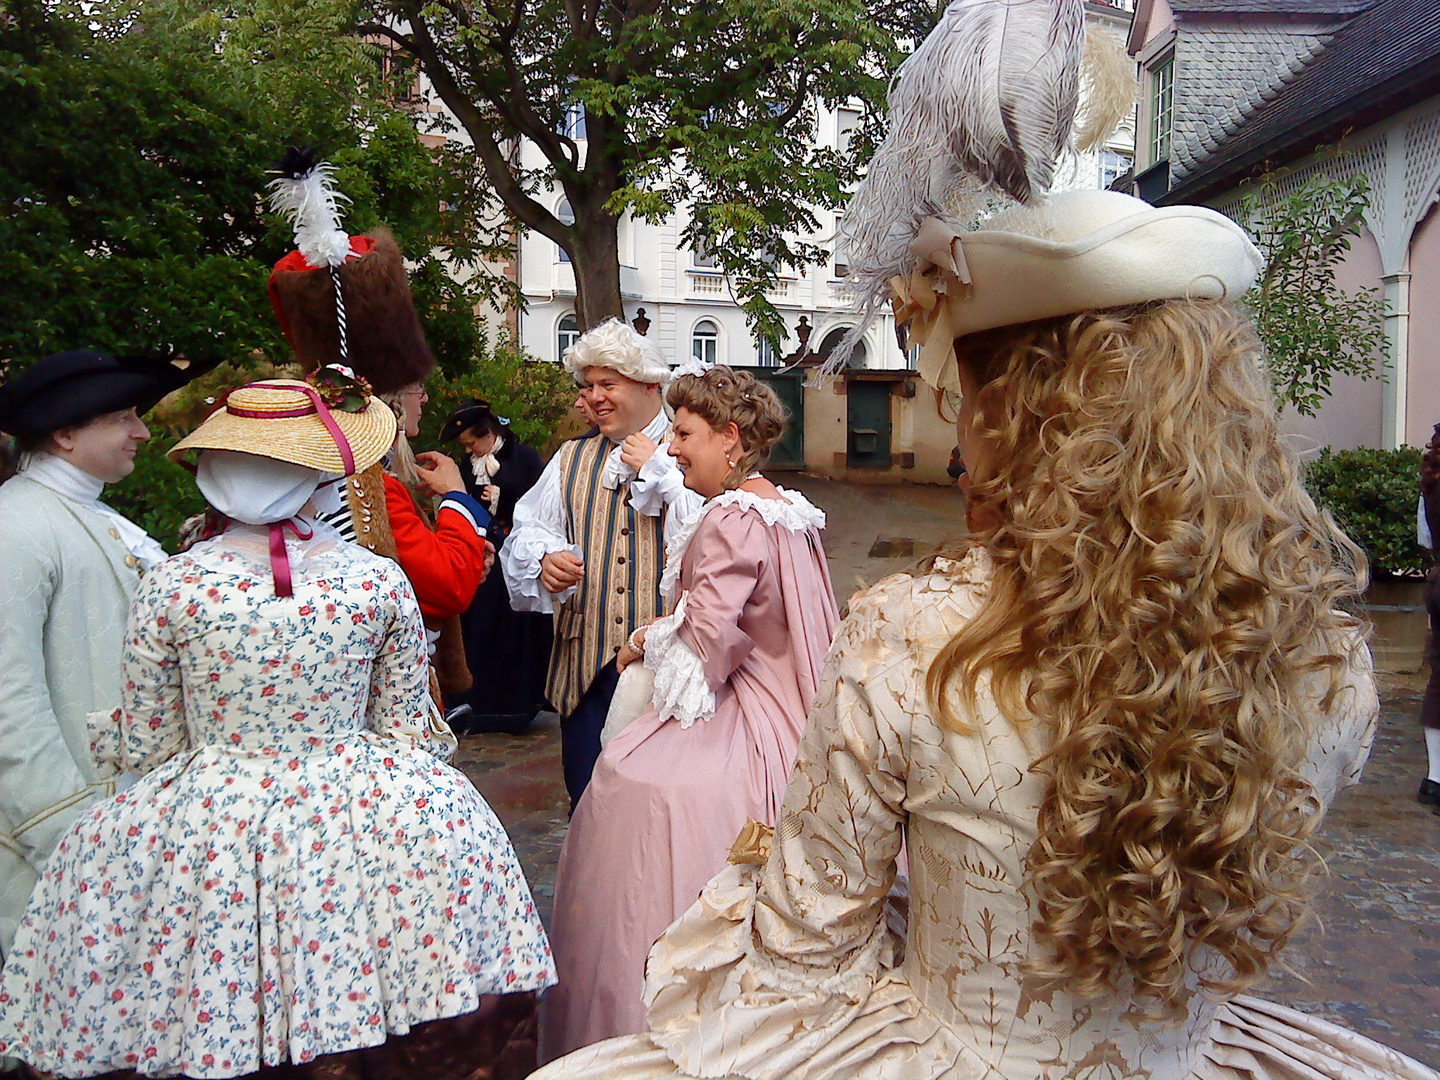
(573, 125)
(1113, 165)
(705, 342)
(1162, 108)
(566, 334)
(701, 257)
(846, 121)
(842, 266)
(566, 216)
(765, 354)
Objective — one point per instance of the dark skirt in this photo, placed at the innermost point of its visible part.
(495, 1042)
(1430, 703)
(508, 653)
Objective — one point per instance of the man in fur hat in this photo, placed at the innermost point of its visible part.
(589, 537)
(69, 567)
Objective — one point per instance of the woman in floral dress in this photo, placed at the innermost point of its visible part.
(296, 877)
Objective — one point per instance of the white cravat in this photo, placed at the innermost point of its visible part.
(77, 485)
(616, 471)
(485, 468)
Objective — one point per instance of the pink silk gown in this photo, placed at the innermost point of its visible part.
(666, 801)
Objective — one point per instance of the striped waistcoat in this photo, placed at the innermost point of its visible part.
(624, 553)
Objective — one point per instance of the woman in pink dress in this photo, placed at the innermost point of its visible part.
(736, 666)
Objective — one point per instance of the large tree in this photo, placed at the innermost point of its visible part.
(703, 104)
(137, 135)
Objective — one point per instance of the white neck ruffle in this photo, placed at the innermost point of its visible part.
(792, 512)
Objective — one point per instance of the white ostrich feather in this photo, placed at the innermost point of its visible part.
(312, 204)
(984, 107)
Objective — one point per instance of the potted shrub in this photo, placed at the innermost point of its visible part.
(1372, 495)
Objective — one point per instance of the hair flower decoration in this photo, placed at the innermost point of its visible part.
(693, 366)
(340, 388)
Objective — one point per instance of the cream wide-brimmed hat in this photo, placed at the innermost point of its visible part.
(319, 425)
(1078, 251)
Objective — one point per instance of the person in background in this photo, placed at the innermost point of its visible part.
(345, 301)
(296, 878)
(588, 542)
(506, 651)
(1428, 534)
(69, 566)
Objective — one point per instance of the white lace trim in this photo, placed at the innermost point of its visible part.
(681, 690)
(792, 511)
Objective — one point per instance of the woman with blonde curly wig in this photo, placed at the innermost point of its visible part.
(736, 664)
(1106, 727)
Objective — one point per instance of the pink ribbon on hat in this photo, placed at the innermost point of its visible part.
(319, 409)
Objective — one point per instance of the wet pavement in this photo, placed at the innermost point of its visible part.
(1370, 960)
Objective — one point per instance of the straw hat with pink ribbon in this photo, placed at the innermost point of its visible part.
(330, 422)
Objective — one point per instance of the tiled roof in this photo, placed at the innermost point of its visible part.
(1389, 51)
(1224, 73)
(1269, 7)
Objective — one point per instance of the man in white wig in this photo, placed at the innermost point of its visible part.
(588, 543)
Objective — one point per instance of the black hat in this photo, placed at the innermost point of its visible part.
(467, 416)
(71, 388)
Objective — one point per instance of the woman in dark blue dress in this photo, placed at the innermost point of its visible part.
(507, 651)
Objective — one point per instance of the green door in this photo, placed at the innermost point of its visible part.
(789, 452)
(867, 414)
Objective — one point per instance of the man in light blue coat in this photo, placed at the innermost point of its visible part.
(69, 567)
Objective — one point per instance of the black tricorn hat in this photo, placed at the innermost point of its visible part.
(70, 388)
(467, 416)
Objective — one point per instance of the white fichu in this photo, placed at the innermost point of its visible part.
(305, 194)
(985, 104)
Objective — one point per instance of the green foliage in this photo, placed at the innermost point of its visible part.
(1313, 329)
(1372, 495)
(703, 108)
(534, 396)
(137, 135)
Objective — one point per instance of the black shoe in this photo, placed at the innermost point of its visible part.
(1429, 794)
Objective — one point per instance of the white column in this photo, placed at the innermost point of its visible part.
(1397, 375)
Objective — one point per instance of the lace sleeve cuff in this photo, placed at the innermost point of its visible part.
(681, 690)
(656, 484)
(520, 563)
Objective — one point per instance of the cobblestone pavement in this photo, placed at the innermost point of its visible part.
(1370, 961)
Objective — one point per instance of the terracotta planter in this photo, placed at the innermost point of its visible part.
(1396, 609)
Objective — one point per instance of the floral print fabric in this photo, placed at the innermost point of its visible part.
(296, 874)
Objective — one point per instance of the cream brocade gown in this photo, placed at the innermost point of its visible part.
(800, 969)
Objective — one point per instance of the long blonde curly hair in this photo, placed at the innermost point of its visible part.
(1165, 597)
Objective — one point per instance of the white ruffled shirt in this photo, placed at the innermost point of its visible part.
(77, 485)
(542, 524)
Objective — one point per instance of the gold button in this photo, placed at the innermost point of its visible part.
(621, 560)
(620, 590)
(115, 533)
(131, 561)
